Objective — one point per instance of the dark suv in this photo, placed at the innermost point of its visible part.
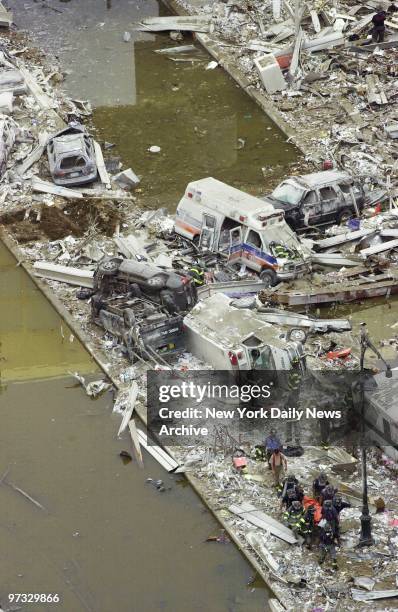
(176, 292)
(318, 198)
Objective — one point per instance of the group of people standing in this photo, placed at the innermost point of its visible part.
(315, 519)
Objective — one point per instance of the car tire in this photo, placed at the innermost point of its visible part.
(268, 277)
(344, 216)
(109, 268)
(297, 335)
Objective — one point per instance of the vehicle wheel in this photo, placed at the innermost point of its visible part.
(167, 301)
(107, 268)
(268, 277)
(344, 216)
(297, 335)
(135, 290)
(129, 317)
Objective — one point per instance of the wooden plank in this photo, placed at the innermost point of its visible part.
(157, 452)
(46, 187)
(132, 398)
(102, 171)
(136, 443)
(258, 518)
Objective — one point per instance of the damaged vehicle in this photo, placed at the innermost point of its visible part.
(319, 198)
(8, 129)
(142, 305)
(242, 229)
(236, 339)
(144, 328)
(71, 156)
(118, 276)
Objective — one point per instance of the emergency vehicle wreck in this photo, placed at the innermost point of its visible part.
(199, 291)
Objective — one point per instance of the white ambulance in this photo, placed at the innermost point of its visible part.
(243, 228)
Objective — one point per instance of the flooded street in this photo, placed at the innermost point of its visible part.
(203, 122)
(105, 539)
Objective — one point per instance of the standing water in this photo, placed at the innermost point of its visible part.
(204, 124)
(94, 531)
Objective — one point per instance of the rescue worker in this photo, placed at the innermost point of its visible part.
(327, 493)
(331, 516)
(327, 545)
(278, 465)
(319, 484)
(339, 504)
(279, 250)
(294, 493)
(294, 518)
(379, 28)
(271, 443)
(197, 275)
(310, 526)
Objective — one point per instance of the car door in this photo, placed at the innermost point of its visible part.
(329, 204)
(235, 245)
(208, 232)
(252, 254)
(310, 208)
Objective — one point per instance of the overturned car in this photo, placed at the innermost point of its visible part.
(143, 306)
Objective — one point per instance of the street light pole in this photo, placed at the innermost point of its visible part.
(365, 538)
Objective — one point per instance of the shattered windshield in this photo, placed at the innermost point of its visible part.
(288, 193)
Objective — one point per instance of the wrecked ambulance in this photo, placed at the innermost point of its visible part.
(234, 339)
(241, 227)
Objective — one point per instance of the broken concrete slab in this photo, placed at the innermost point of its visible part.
(6, 100)
(250, 513)
(102, 171)
(64, 274)
(392, 130)
(34, 156)
(270, 73)
(194, 23)
(360, 595)
(126, 179)
(46, 187)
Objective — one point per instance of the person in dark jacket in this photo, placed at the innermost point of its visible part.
(339, 504)
(291, 494)
(309, 517)
(319, 484)
(327, 544)
(327, 493)
(330, 514)
(294, 518)
(379, 29)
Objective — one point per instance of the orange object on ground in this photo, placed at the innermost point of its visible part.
(310, 501)
(239, 462)
(339, 354)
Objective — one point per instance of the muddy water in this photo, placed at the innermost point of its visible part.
(203, 122)
(35, 342)
(104, 539)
